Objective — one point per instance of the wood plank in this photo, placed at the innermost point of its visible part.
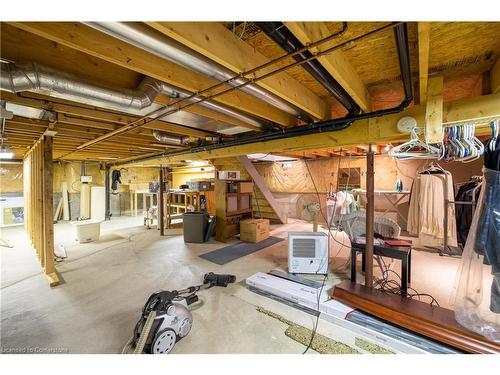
(380, 130)
(65, 198)
(434, 111)
(424, 29)
(218, 43)
(83, 38)
(261, 184)
(495, 78)
(336, 63)
(434, 322)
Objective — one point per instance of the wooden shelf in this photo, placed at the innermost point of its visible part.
(433, 322)
(227, 224)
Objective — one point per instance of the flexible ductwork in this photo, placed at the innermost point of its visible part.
(160, 45)
(183, 141)
(278, 32)
(166, 138)
(38, 78)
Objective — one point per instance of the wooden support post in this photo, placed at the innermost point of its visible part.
(48, 207)
(424, 29)
(38, 195)
(135, 203)
(131, 199)
(434, 111)
(161, 223)
(370, 217)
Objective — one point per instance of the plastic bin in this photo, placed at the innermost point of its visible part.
(195, 226)
(87, 230)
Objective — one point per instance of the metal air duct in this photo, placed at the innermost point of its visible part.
(164, 137)
(160, 45)
(42, 79)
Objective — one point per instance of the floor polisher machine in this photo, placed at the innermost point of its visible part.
(166, 317)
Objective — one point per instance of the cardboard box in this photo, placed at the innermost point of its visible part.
(254, 230)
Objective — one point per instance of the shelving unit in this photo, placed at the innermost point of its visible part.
(177, 202)
(233, 204)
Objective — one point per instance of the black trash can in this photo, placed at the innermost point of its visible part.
(195, 226)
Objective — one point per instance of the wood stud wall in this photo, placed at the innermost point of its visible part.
(38, 207)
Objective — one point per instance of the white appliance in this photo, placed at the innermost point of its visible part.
(308, 252)
(229, 175)
(98, 203)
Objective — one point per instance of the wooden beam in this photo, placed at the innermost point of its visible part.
(90, 41)
(424, 29)
(215, 41)
(434, 111)
(336, 63)
(38, 208)
(379, 130)
(264, 189)
(495, 78)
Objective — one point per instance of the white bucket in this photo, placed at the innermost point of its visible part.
(87, 230)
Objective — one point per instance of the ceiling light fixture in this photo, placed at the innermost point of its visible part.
(6, 152)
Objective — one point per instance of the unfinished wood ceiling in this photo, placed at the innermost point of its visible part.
(462, 52)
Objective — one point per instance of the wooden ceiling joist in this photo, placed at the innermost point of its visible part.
(215, 41)
(336, 63)
(83, 38)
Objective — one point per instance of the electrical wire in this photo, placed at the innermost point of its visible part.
(318, 313)
(387, 285)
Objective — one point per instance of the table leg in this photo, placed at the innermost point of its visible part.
(363, 268)
(409, 266)
(404, 276)
(353, 265)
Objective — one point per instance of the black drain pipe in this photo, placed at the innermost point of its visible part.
(280, 34)
(401, 36)
(107, 194)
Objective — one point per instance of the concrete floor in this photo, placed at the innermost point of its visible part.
(107, 282)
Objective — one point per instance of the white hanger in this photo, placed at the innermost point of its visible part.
(403, 151)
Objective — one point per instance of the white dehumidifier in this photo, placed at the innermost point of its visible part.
(308, 252)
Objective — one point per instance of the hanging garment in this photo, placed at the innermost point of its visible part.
(115, 179)
(477, 292)
(488, 233)
(426, 212)
(468, 192)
